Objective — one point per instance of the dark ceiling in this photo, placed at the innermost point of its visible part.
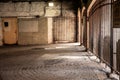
(85, 1)
(76, 3)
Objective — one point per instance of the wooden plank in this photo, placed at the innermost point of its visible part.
(64, 29)
(118, 55)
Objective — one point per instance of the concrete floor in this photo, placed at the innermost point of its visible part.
(49, 62)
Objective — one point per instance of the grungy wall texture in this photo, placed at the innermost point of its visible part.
(22, 9)
(34, 23)
(33, 9)
(38, 37)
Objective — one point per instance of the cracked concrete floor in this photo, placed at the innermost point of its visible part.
(49, 62)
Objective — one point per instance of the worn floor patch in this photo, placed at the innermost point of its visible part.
(55, 64)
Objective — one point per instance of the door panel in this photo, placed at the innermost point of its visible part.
(64, 29)
(9, 30)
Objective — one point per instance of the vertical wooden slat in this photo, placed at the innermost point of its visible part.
(118, 55)
(90, 34)
(64, 29)
(106, 50)
(100, 20)
(116, 33)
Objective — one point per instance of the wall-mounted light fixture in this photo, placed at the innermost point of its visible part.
(50, 4)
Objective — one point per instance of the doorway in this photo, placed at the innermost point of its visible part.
(10, 30)
(64, 29)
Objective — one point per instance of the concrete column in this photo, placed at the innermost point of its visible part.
(79, 25)
(85, 28)
(50, 30)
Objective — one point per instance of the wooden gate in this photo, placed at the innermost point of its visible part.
(9, 30)
(91, 33)
(116, 33)
(64, 29)
(118, 55)
(104, 32)
(100, 30)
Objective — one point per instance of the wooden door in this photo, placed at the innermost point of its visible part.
(64, 29)
(9, 30)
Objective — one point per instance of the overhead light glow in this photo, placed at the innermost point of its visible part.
(51, 4)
